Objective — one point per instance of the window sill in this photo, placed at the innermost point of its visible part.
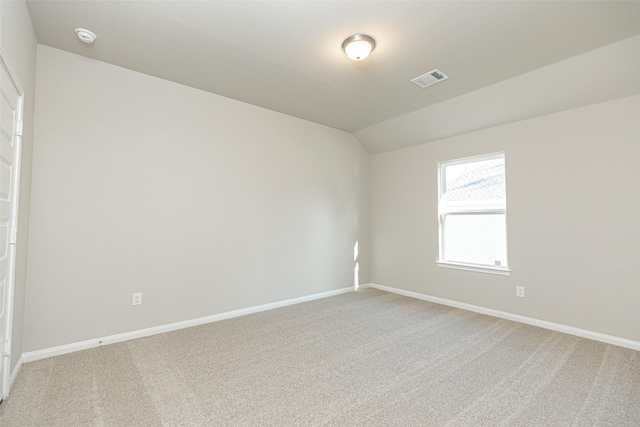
(502, 271)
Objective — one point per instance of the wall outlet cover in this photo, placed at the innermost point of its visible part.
(136, 298)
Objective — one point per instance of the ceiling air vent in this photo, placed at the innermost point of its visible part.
(432, 77)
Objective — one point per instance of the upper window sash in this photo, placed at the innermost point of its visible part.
(445, 205)
(471, 159)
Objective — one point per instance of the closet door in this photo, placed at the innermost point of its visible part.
(10, 139)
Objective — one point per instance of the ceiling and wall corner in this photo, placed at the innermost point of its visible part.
(576, 82)
(287, 56)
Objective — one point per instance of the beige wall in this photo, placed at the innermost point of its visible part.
(202, 203)
(19, 45)
(573, 200)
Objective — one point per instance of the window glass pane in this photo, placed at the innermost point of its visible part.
(475, 182)
(476, 239)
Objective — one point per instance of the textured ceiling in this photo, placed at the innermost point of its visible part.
(286, 56)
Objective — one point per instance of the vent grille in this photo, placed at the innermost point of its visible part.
(432, 77)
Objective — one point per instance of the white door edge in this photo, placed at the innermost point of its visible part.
(6, 360)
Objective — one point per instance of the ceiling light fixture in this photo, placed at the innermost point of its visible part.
(85, 35)
(358, 47)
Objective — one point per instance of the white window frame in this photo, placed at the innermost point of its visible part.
(488, 208)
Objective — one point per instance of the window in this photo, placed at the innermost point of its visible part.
(472, 211)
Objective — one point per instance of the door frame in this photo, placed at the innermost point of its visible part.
(5, 381)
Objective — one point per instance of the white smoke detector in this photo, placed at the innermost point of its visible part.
(430, 78)
(85, 35)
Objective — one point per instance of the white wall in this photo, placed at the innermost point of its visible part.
(202, 203)
(19, 45)
(573, 200)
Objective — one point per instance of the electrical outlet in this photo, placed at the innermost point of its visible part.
(520, 291)
(136, 298)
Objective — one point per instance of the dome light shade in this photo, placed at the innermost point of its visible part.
(85, 36)
(358, 47)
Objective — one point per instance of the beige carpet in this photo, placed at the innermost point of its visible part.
(364, 358)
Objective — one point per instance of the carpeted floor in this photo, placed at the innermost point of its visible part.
(363, 358)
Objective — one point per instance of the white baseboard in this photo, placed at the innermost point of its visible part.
(597, 336)
(16, 371)
(112, 339)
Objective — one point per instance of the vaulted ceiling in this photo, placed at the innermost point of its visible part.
(286, 55)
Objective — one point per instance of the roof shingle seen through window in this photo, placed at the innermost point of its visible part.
(486, 182)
